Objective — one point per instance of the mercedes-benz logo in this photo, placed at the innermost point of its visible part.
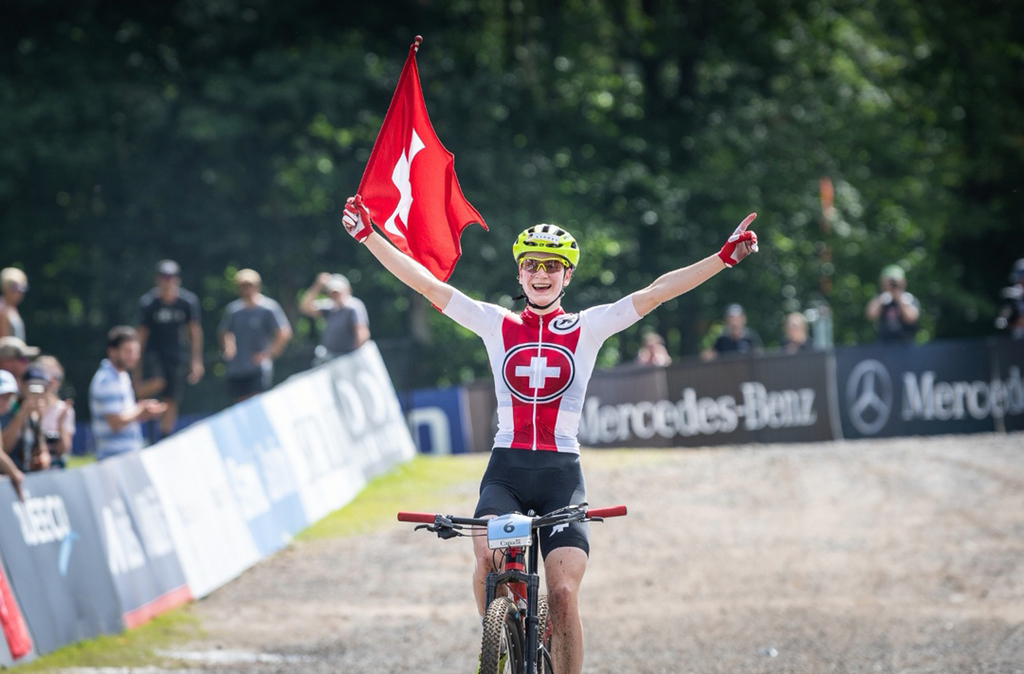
(869, 396)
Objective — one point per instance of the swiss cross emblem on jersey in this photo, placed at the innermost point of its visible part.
(538, 372)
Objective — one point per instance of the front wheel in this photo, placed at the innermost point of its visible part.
(543, 637)
(502, 649)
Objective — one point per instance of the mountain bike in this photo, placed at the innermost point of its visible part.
(517, 633)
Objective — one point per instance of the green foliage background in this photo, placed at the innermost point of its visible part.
(227, 133)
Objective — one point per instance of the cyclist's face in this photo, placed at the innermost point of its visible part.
(542, 282)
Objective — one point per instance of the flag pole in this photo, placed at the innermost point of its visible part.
(416, 43)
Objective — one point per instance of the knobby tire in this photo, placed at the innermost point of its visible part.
(501, 626)
(543, 636)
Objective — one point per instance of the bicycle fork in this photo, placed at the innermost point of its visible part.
(524, 587)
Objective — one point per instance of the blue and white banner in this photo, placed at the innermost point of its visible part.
(53, 551)
(259, 474)
(136, 537)
(206, 522)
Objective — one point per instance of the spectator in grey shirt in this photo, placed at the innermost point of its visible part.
(253, 333)
(346, 326)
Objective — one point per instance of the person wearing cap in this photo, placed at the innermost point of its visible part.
(346, 326)
(1011, 315)
(542, 358)
(169, 313)
(23, 438)
(253, 332)
(8, 395)
(736, 338)
(116, 415)
(15, 355)
(894, 311)
(13, 286)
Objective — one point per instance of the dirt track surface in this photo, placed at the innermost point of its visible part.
(901, 555)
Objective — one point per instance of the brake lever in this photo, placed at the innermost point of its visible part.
(443, 527)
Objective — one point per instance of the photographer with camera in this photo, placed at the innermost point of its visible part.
(1011, 315)
(894, 311)
(23, 438)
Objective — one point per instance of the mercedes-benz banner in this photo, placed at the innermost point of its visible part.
(737, 400)
(947, 387)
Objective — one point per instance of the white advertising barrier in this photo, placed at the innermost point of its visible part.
(206, 522)
(339, 426)
(304, 416)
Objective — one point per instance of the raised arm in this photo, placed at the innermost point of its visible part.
(407, 270)
(675, 283)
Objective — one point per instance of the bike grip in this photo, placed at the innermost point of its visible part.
(425, 518)
(613, 511)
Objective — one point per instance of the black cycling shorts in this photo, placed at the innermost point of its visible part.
(171, 369)
(520, 480)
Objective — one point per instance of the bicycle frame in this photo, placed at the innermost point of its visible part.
(520, 573)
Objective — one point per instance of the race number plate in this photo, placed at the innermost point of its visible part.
(512, 530)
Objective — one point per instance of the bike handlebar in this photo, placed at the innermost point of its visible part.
(612, 511)
(425, 518)
(431, 518)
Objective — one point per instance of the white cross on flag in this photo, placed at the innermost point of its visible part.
(409, 185)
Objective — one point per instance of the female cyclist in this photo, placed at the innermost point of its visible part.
(542, 359)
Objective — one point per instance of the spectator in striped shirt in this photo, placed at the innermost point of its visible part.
(116, 415)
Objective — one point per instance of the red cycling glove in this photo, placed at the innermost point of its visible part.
(729, 255)
(357, 219)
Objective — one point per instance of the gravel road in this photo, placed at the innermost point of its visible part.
(903, 555)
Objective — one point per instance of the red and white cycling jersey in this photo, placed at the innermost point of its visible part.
(541, 366)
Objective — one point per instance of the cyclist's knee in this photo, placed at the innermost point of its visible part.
(563, 594)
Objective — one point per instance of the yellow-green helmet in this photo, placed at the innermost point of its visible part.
(547, 239)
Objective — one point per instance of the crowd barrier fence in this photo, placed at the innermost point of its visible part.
(107, 547)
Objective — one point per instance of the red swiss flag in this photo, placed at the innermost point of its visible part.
(409, 185)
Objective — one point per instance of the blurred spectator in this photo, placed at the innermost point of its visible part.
(8, 394)
(58, 423)
(116, 415)
(1011, 316)
(253, 332)
(652, 351)
(894, 311)
(736, 338)
(346, 326)
(23, 439)
(8, 397)
(15, 355)
(168, 311)
(795, 339)
(13, 286)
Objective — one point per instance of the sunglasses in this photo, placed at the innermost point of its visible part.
(550, 266)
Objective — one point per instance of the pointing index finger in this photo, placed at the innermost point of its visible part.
(746, 223)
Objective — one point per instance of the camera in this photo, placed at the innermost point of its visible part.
(52, 437)
(37, 389)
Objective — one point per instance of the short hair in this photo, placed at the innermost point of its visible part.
(120, 334)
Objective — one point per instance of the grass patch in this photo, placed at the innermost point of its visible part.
(77, 461)
(134, 648)
(421, 484)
